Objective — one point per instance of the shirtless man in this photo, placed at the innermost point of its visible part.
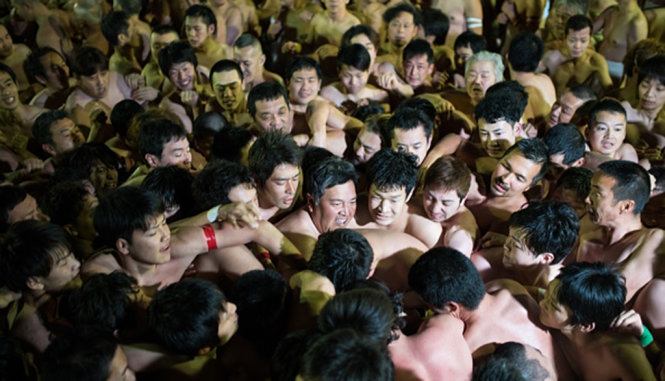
(402, 22)
(120, 33)
(200, 29)
(463, 16)
(17, 205)
(50, 70)
(391, 177)
(142, 31)
(160, 38)
(418, 67)
(11, 102)
(410, 131)
(606, 134)
(619, 191)
(646, 119)
(226, 80)
(56, 133)
(247, 53)
(53, 30)
(329, 25)
(564, 108)
(230, 16)
(13, 55)
(524, 54)
(623, 26)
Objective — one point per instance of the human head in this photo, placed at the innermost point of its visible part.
(56, 133)
(482, 70)
(191, 316)
(418, 62)
(200, 24)
(446, 185)
(71, 205)
(391, 176)
(247, 52)
(402, 21)
(205, 127)
(640, 52)
(178, 62)
(585, 296)
(173, 185)
(133, 7)
(303, 78)
(561, 11)
(525, 52)
(410, 131)
(8, 88)
(564, 108)
(274, 160)
(92, 70)
(117, 28)
(353, 66)
(160, 37)
(607, 127)
(436, 25)
(94, 162)
(226, 80)
(37, 257)
(232, 143)
(17, 205)
(122, 115)
(368, 140)
(565, 146)
(162, 142)
(365, 36)
(658, 172)
(447, 280)
(330, 191)
(344, 256)
(498, 116)
(578, 34)
(523, 164)
(651, 86)
(46, 66)
(223, 182)
(268, 104)
(512, 361)
(573, 187)
(467, 44)
(6, 43)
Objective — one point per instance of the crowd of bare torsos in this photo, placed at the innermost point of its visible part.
(275, 220)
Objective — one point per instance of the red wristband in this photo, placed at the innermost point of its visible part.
(209, 233)
(265, 255)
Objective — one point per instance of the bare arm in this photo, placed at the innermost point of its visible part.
(234, 25)
(638, 31)
(446, 146)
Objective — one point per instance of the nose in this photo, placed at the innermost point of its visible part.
(231, 308)
(384, 205)
(290, 187)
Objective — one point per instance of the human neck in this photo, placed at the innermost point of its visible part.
(124, 51)
(621, 227)
(539, 275)
(469, 316)
(140, 271)
(339, 15)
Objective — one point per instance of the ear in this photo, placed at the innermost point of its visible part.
(211, 29)
(546, 258)
(122, 39)
(152, 160)
(408, 196)
(122, 245)
(34, 284)
(627, 206)
(578, 163)
(310, 202)
(430, 69)
(518, 128)
(204, 351)
(41, 79)
(587, 328)
(71, 230)
(49, 149)
(262, 60)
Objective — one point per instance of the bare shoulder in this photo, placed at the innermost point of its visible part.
(103, 263)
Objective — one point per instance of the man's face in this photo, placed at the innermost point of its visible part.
(103, 178)
(564, 109)
(152, 246)
(304, 86)
(417, 69)
(479, 78)
(496, 137)
(607, 133)
(335, 6)
(176, 152)
(182, 75)
(402, 29)
(8, 92)
(570, 197)
(23, 11)
(274, 114)
(26, 210)
(365, 146)
(513, 175)
(159, 42)
(462, 54)
(516, 253)
(84, 221)
(6, 43)
(119, 369)
(228, 322)
(441, 204)
(386, 205)
(56, 71)
(66, 136)
(96, 85)
(353, 79)
(578, 41)
(652, 94)
(363, 40)
(245, 193)
(281, 187)
(560, 16)
(65, 268)
(413, 141)
(336, 207)
(601, 206)
(251, 61)
(228, 90)
(552, 313)
(197, 31)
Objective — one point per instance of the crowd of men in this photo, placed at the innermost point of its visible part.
(332, 190)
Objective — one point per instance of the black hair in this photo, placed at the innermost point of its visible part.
(155, 134)
(173, 185)
(444, 275)
(436, 24)
(419, 103)
(328, 173)
(566, 139)
(245, 40)
(395, 10)
(578, 22)
(497, 369)
(64, 202)
(113, 24)
(266, 91)
(175, 53)
(33, 66)
(9, 71)
(548, 227)
(89, 60)
(358, 30)
(344, 256)
(208, 124)
(658, 171)
(269, 150)
(299, 63)
(79, 163)
(371, 108)
(122, 114)
(388, 169)
(164, 29)
(10, 196)
(607, 105)
(133, 7)
(206, 15)
(124, 210)
(13, 360)
(41, 129)
(418, 47)
(534, 150)
(225, 65)
(509, 362)
(408, 118)
(504, 100)
(184, 316)
(583, 92)
(632, 182)
(355, 56)
(28, 251)
(286, 360)
(593, 292)
(212, 186)
(525, 52)
(475, 41)
(229, 143)
(653, 68)
(577, 179)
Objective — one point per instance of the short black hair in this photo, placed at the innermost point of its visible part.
(566, 139)
(184, 316)
(653, 68)
(89, 60)
(583, 92)
(358, 30)
(225, 65)
(505, 100)
(388, 169)
(408, 118)
(436, 24)
(328, 173)
(475, 41)
(176, 52)
(395, 10)
(365, 111)
(133, 7)
(122, 114)
(299, 63)
(79, 163)
(212, 186)
(173, 185)
(577, 179)
(156, 133)
(418, 47)
(578, 22)
(525, 52)
(229, 143)
(344, 256)
(113, 24)
(41, 129)
(64, 201)
(607, 105)
(245, 40)
(355, 56)
(271, 149)
(10, 196)
(534, 150)
(632, 182)
(33, 66)
(658, 172)
(266, 91)
(510, 362)
(203, 12)
(8, 70)
(208, 124)
(444, 275)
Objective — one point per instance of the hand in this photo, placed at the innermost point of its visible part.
(440, 78)
(189, 97)
(388, 81)
(145, 94)
(291, 47)
(97, 112)
(239, 214)
(492, 239)
(134, 81)
(33, 164)
(326, 50)
(274, 29)
(628, 322)
(529, 130)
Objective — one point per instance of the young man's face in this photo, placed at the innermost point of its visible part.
(601, 206)
(564, 109)
(516, 253)
(8, 92)
(652, 94)
(364, 40)
(496, 137)
(26, 210)
(417, 69)
(274, 114)
(386, 205)
(513, 175)
(441, 204)
(119, 369)
(281, 187)
(479, 78)
(228, 90)
(578, 41)
(66, 136)
(182, 75)
(402, 29)
(56, 71)
(160, 41)
(413, 141)
(353, 79)
(570, 197)
(304, 86)
(552, 313)
(251, 61)
(152, 246)
(6, 43)
(197, 31)
(463, 53)
(65, 268)
(175, 152)
(228, 322)
(607, 133)
(103, 177)
(365, 146)
(336, 208)
(96, 85)
(245, 193)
